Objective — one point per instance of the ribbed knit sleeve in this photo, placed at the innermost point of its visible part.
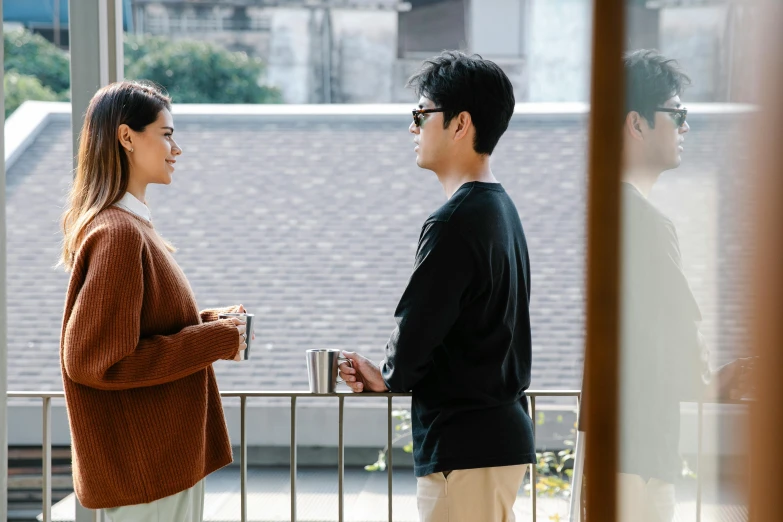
(211, 314)
(102, 343)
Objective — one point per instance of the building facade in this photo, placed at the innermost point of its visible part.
(363, 51)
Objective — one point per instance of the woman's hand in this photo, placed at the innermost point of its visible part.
(241, 310)
(241, 329)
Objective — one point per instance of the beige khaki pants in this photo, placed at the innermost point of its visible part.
(185, 506)
(470, 495)
(640, 501)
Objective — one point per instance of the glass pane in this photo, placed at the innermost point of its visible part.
(684, 394)
(36, 66)
(311, 221)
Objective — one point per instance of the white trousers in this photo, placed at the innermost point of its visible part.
(640, 501)
(470, 495)
(185, 506)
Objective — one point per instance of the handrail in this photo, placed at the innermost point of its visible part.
(47, 396)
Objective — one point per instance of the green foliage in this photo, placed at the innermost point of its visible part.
(687, 472)
(198, 72)
(554, 470)
(191, 71)
(378, 465)
(138, 46)
(32, 55)
(402, 430)
(20, 88)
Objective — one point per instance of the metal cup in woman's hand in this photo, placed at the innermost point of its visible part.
(248, 318)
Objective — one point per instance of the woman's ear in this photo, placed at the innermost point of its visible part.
(125, 137)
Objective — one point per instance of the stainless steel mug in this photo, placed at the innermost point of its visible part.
(322, 368)
(248, 330)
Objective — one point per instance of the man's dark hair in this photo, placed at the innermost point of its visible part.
(650, 80)
(457, 82)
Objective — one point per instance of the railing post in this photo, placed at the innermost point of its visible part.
(699, 437)
(87, 515)
(293, 459)
(46, 457)
(533, 474)
(243, 457)
(3, 309)
(341, 462)
(389, 471)
(575, 507)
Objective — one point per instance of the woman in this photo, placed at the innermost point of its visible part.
(146, 419)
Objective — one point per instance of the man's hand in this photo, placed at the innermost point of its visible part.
(735, 380)
(364, 376)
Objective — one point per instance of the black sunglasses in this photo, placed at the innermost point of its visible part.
(679, 115)
(418, 112)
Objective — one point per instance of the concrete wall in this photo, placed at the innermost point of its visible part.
(495, 30)
(365, 49)
(695, 37)
(431, 28)
(515, 68)
(497, 27)
(159, 19)
(560, 41)
(288, 62)
(544, 45)
(402, 70)
(559, 56)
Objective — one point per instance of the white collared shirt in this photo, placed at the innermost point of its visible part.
(131, 204)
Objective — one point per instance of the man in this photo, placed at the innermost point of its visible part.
(664, 361)
(462, 343)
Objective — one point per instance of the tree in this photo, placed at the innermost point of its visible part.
(20, 88)
(31, 54)
(192, 72)
(138, 46)
(197, 72)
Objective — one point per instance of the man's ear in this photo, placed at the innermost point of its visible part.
(635, 126)
(125, 137)
(462, 123)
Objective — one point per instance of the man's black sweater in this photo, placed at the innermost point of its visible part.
(462, 343)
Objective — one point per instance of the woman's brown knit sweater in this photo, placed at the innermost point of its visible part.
(143, 403)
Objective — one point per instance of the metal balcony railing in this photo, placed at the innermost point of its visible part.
(47, 397)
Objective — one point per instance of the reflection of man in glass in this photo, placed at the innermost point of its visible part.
(663, 359)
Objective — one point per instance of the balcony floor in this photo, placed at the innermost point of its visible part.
(365, 499)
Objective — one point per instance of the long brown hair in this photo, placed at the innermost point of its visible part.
(102, 169)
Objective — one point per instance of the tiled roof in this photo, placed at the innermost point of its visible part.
(314, 226)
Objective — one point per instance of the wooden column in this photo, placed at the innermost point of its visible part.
(600, 387)
(767, 275)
